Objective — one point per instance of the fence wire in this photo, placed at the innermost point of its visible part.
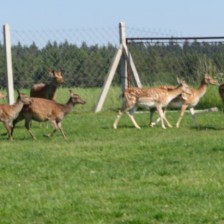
(85, 55)
(161, 60)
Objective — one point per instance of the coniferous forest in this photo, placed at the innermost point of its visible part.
(87, 66)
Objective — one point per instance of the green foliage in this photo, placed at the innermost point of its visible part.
(83, 66)
(163, 62)
(87, 66)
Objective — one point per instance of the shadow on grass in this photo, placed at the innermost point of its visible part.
(207, 127)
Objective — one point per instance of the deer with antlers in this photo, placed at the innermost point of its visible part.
(48, 90)
(150, 98)
(185, 101)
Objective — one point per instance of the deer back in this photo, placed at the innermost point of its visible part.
(150, 97)
(44, 109)
(9, 112)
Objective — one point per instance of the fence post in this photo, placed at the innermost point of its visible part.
(9, 72)
(123, 62)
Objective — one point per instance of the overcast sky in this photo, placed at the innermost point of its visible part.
(185, 17)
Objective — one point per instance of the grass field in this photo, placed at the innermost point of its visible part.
(101, 175)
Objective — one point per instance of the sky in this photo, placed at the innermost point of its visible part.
(182, 17)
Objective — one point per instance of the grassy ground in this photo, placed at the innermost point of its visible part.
(101, 175)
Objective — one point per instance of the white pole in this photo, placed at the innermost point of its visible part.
(108, 80)
(132, 65)
(8, 55)
(123, 62)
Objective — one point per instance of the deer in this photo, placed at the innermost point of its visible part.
(42, 110)
(2, 95)
(48, 90)
(185, 101)
(150, 98)
(221, 92)
(8, 113)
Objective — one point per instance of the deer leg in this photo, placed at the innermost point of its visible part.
(27, 126)
(61, 130)
(161, 114)
(8, 127)
(160, 111)
(165, 119)
(193, 116)
(120, 113)
(151, 123)
(183, 108)
(133, 120)
(18, 119)
(55, 127)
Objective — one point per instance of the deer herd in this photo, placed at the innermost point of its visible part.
(158, 99)
(41, 105)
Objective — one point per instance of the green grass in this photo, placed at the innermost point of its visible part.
(101, 175)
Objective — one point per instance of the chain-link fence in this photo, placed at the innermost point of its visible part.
(161, 60)
(84, 55)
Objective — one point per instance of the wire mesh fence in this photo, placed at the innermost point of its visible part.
(85, 56)
(161, 60)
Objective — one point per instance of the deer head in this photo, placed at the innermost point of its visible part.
(56, 76)
(209, 80)
(76, 99)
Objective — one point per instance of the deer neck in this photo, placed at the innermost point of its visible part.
(202, 89)
(68, 106)
(52, 86)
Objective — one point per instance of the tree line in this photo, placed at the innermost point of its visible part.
(163, 62)
(87, 66)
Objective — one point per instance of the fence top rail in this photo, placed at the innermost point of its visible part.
(138, 39)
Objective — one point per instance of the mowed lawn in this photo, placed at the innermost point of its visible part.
(102, 175)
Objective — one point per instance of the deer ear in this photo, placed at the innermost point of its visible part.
(61, 70)
(51, 72)
(71, 92)
(180, 81)
(18, 92)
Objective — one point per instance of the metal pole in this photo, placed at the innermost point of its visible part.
(9, 72)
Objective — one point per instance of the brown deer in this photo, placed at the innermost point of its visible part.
(48, 90)
(2, 95)
(185, 101)
(47, 110)
(150, 98)
(221, 92)
(10, 112)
